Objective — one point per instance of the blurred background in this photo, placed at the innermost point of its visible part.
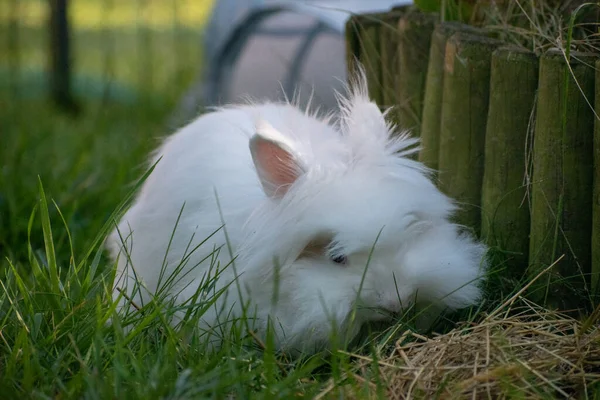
(87, 87)
(79, 50)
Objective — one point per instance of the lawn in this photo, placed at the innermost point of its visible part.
(63, 176)
(55, 278)
(55, 285)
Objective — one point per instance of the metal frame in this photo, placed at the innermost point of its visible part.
(216, 80)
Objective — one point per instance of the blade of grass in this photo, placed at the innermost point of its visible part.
(55, 284)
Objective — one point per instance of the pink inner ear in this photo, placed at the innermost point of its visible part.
(277, 167)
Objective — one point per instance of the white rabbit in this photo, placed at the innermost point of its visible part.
(328, 219)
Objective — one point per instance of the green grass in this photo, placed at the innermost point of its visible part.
(55, 281)
(61, 178)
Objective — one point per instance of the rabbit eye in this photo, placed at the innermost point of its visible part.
(341, 259)
(323, 246)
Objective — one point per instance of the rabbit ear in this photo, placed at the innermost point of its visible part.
(275, 162)
(361, 117)
(367, 131)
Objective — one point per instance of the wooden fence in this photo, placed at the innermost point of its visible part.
(513, 135)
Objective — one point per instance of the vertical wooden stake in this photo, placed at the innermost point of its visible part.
(352, 32)
(389, 61)
(414, 30)
(60, 56)
(561, 222)
(463, 124)
(432, 98)
(509, 135)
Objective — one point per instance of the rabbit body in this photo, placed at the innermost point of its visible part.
(328, 221)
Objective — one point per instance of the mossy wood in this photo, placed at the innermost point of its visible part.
(352, 32)
(465, 99)
(596, 203)
(389, 59)
(363, 44)
(561, 223)
(432, 97)
(414, 31)
(505, 206)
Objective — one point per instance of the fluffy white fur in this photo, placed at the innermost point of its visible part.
(350, 181)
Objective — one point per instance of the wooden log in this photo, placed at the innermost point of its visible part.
(363, 44)
(414, 30)
(352, 32)
(509, 135)
(432, 98)
(562, 180)
(389, 61)
(463, 123)
(596, 204)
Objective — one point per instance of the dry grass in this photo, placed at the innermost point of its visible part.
(537, 25)
(524, 352)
